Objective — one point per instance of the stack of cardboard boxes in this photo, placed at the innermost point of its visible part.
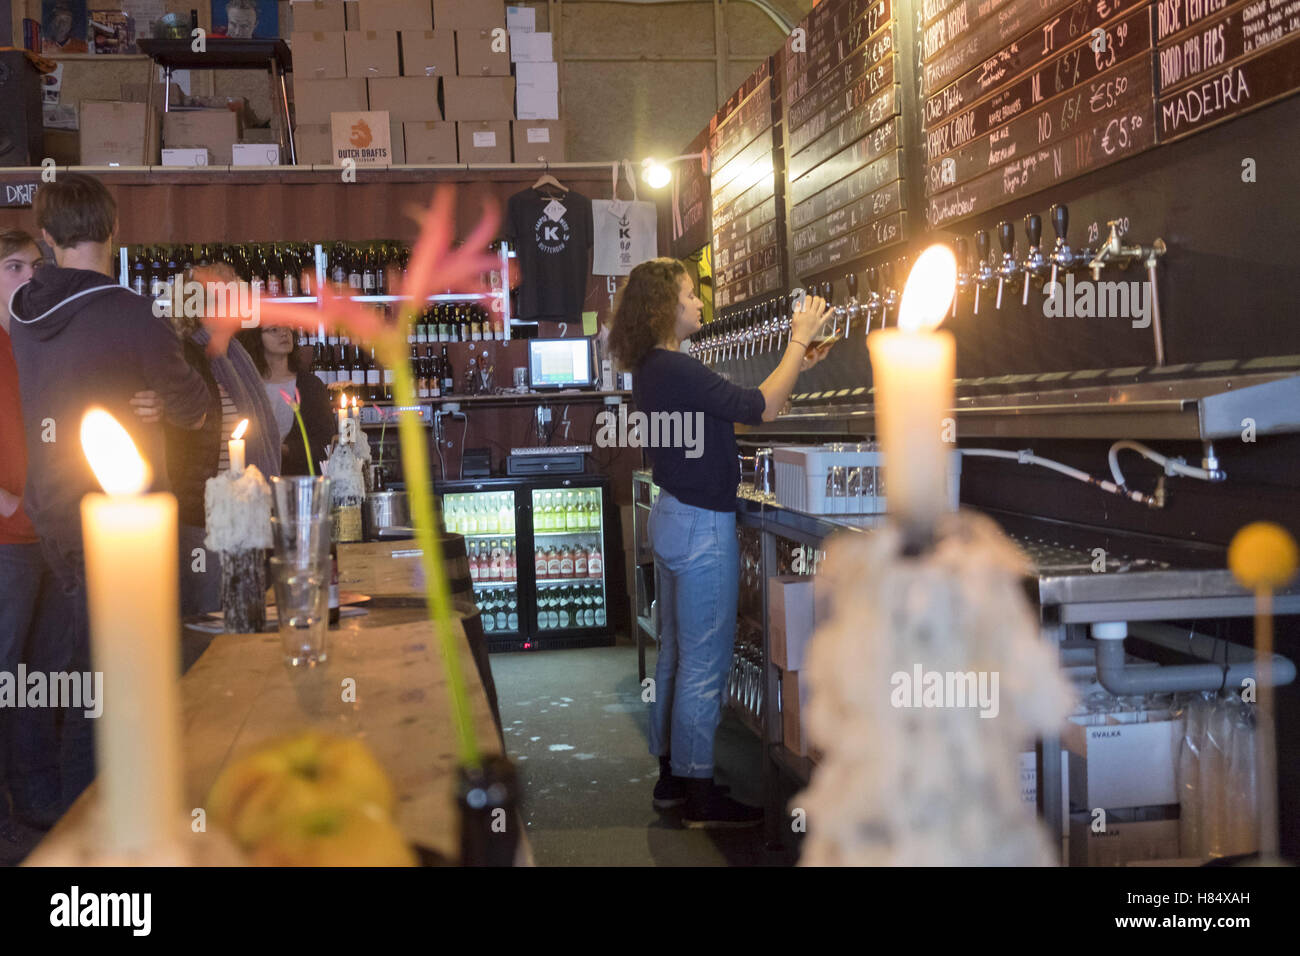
(439, 69)
(538, 131)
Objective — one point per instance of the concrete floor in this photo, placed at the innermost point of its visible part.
(575, 726)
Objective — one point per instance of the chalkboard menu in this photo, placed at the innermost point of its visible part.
(690, 201)
(1036, 94)
(1217, 59)
(844, 142)
(746, 209)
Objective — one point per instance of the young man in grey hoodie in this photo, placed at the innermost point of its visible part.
(81, 340)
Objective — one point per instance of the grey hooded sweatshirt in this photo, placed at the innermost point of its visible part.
(80, 340)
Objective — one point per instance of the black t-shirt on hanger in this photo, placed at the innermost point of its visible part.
(554, 245)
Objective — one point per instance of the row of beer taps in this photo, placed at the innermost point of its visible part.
(765, 328)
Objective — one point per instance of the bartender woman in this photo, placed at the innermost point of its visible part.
(693, 524)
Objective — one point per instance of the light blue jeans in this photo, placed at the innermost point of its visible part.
(697, 570)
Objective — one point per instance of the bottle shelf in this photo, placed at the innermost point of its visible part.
(568, 582)
(557, 534)
(504, 535)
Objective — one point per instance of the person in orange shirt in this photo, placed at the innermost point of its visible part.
(35, 620)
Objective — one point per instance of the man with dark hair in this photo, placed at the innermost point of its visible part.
(81, 340)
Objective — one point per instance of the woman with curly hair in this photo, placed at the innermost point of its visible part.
(693, 523)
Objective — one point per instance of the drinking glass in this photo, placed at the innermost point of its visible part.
(300, 565)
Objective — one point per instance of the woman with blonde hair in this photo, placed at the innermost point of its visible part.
(693, 523)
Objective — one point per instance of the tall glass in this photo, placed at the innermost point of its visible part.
(300, 565)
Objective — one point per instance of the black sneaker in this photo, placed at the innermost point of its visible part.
(670, 792)
(709, 808)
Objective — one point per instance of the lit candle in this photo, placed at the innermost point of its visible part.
(343, 416)
(913, 367)
(237, 448)
(130, 542)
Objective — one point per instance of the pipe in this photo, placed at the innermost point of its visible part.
(1123, 681)
(1027, 457)
(1239, 660)
(1170, 465)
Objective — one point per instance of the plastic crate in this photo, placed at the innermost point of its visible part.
(801, 480)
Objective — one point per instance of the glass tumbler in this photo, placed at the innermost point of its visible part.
(300, 565)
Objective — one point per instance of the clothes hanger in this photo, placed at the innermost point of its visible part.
(546, 179)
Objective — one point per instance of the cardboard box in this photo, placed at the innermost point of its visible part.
(319, 56)
(351, 14)
(483, 141)
(794, 699)
(408, 99)
(430, 143)
(398, 14)
(538, 76)
(217, 130)
(538, 104)
(1120, 764)
(373, 53)
(316, 16)
(117, 133)
(478, 98)
(263, 135)
(255, 154)
(521, 19)
(538, 141)
(313, 143)
(364, 137)
(531, 48)
(789, 615)
(138, 93)
(187, 157)
(428, 53)
(1121, 842)
(480, 53)
(314, 100)
(468, 14)
(397, 141)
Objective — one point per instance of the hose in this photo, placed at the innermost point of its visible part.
(1170, 465)
(1027, 457)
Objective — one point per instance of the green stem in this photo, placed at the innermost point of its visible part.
(419, 489)
(302, 430)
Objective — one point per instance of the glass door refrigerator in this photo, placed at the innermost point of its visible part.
(537, 557)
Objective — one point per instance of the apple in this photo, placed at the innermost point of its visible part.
(289, 779)
(336, 836)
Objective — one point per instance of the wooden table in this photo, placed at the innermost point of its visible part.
(240, 694)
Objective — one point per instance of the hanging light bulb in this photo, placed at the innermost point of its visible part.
(655, 174)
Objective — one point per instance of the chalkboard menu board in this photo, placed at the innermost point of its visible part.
(1041, 92)
(746, 209)
(844, 143)
(1218, 59)
(690, 201)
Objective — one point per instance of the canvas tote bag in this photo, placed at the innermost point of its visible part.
(624, 234)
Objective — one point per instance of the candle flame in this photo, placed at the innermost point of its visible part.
(343, 402)
(242, 427)
(928, 294)
(112, 455)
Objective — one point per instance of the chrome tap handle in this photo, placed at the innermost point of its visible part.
(1033, 263)
(963, 276)
(851, 281)
(983, 277)
(1007, 270)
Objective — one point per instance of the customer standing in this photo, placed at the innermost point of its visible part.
(34, 616)
(81, 340)
(276, 356)
(693, 523)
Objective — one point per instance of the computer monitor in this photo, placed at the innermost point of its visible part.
(560, 363)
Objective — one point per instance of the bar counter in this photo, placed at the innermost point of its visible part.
(240, 693)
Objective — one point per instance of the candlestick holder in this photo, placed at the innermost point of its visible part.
(243, 591)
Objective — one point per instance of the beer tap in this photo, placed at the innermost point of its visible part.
(983, 277)
(875, 303)
(963, 277)
(751, 331)
(769, 323)
(1035, 263)
(892, 295)
(853, 308)
(1113, 250)
(782, 320)
(1009, 270)
(1063, 258)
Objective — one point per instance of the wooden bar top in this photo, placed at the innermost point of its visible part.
(241, 694)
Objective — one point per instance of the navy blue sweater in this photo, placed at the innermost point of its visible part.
(703, 471)
(81, 340)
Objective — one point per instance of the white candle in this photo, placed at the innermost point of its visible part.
(130, 542)
(913, 369)
(237, 448)
(343, 416)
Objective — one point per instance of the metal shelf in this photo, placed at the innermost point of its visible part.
(568, 582)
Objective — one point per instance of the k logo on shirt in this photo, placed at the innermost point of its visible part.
(552, 236)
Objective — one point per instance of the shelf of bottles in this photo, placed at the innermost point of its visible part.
(568, 559)
(487, 520)
(364, 272)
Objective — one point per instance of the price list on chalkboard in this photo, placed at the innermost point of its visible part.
(1019, 95)
(843, 138)
(746, 205)
(1218, 59)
